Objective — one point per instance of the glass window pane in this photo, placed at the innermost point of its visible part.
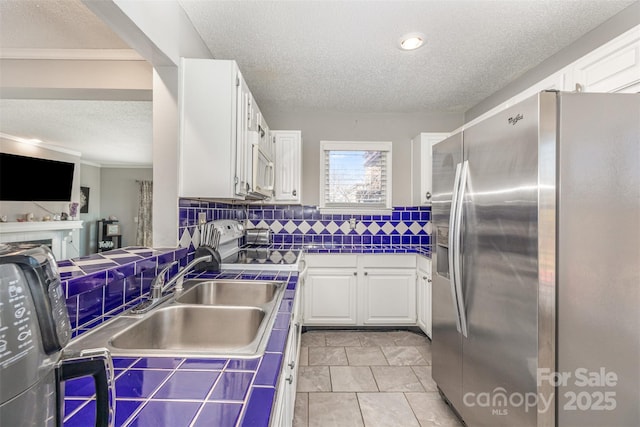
(355, 177)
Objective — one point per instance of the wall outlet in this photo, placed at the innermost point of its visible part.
(202, 217)
(352, 223)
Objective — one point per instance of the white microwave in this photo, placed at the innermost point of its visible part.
(264, 174)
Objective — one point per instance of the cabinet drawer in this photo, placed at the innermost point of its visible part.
(423, 263)
(332, 260)
(388, 261)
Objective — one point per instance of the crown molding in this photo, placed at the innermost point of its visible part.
(71, 54)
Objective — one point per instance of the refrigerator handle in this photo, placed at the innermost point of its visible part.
(456, 252)
(452, 245)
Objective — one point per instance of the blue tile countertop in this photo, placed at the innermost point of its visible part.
(84, 273)
(180, 392)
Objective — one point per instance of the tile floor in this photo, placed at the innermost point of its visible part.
(369, 379)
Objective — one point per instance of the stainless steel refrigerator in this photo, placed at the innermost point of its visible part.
(536, 291)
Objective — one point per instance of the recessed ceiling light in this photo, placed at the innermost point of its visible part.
(411, 41)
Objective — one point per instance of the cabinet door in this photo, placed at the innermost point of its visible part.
(209, 105)
(424, 300)
(330, 296)
(290, 374)
(288, 159)
(614, 67)
(389, 296)
(421, 166)
(243, 138)
(423, 281)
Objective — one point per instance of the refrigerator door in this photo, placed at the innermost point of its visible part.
(446, 340)
(599, 260)
(500, 268)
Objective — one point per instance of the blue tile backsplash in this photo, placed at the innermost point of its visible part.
(124, 276)
(305, 225)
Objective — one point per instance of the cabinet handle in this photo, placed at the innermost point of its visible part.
(424, 277)
(289, 379)
(428, 195)
(429, 280)
(355, 273)
(293, 193)
(292, 364)
(366, 274)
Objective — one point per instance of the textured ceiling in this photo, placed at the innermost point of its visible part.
(305, 55)
(54, 24)
(342, 55)
(105, 132)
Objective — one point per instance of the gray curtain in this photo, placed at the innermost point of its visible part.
(144, 232)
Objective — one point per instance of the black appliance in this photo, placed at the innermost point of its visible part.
(34, 329)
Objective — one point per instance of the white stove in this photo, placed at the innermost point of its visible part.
(249, 257)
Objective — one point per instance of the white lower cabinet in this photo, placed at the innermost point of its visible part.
(423, 293)
(331, 296)
(351, 290)
(287, 383)
(389, 296)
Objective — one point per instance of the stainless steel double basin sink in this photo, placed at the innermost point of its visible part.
(209, 318)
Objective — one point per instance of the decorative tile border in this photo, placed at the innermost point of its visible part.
(305, 225)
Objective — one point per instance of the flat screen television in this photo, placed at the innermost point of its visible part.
(29, 179)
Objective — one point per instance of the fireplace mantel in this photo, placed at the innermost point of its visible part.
(25, 227)
(63, 235)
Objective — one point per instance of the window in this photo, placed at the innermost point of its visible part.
(355, 175)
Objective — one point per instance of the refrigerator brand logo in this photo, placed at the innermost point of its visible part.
(516, 119)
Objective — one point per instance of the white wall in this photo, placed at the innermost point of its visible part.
(90, 177)
(166, 137)
(399, 128)
(119, 197)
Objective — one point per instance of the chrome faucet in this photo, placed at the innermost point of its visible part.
(159, 286)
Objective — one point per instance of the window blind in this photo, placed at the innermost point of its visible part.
(355, 178)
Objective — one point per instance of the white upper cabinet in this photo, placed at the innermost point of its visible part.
(266, 144)
(421, 166)
(220, 123)
(246, 135)
(614, 67)
(288, 163)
